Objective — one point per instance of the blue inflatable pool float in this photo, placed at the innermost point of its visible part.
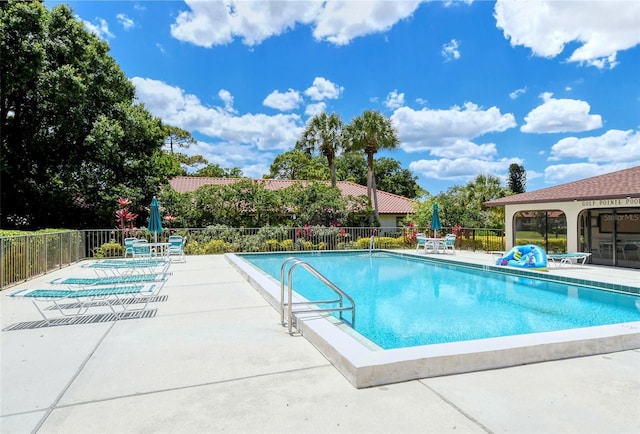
(529, 256)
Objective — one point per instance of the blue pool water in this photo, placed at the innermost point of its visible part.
(403, 301)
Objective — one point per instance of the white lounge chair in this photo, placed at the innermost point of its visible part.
(126, 267)
(130, 279)
(86, 298)
(568, 258)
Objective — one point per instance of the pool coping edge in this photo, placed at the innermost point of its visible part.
(364, 367)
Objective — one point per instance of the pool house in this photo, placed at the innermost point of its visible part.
(598, 215)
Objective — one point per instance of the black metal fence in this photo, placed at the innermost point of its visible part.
(23, 257)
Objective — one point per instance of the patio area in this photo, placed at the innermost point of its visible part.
(211, 356)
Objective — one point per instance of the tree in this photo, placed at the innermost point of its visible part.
(392, 178)
(352, 167)
(215, 171)
(388, 172)
(73, 139)
(186, 161)
(297, 165)
(244, 203)
(464, 205)
(484, 188)
(321, 204)
(369, 133)
(178, 137)
(517, 178)
(324, 135)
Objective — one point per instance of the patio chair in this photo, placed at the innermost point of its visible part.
(85, 298)
(128, 246)
(449, 243)
(425, 243)
(176, 247)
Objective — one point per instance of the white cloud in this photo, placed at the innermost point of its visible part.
(563, 173)
(462, 169)
(341, 21)
(560, 115)
(253, 163)
(99, 27)
(125, 21)
(209, 23)
(286, 101)
(226, 97)
(448, 135)
(450, 51)
(315, 109)
(444, 131)
(322, 89)
(259, 132)
(394, 100)
(614, 146)
(599, 28)
(516, 93)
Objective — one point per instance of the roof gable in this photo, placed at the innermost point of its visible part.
(388, 203)
(620, 184)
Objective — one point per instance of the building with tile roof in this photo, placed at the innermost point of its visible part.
(391, 207)
(599, 215)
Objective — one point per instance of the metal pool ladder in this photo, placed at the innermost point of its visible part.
(288, 304)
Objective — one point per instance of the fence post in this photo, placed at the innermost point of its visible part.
(473, 236)
(3, 264)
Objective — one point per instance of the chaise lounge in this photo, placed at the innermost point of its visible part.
(568, 258)
(85, 298)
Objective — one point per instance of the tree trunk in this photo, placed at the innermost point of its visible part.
(376, 215)
(370, 185)
(332, 167)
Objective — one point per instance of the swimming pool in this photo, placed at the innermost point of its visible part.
(406, 301)
(525, 319)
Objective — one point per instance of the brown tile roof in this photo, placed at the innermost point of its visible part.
(388, 203)
(615, 185)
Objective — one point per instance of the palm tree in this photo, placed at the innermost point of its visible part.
(369, 133)
(483, 188)
(324, 135)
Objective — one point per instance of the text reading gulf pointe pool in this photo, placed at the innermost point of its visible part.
(403, 301)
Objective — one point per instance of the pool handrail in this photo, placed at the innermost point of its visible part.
(290, 312)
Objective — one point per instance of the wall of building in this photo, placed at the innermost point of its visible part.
(571, 209)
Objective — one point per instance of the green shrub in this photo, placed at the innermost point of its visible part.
(216, 246)
(193, 248)
(111, 249)
(272, 245)
(286, 245)
(273, 233)
(380, 243)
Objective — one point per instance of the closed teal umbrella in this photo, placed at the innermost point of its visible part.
(435, 220)
(155, 221)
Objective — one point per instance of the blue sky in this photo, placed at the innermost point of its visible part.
(471, 87)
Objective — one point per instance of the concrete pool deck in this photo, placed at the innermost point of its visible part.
(213, 357)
